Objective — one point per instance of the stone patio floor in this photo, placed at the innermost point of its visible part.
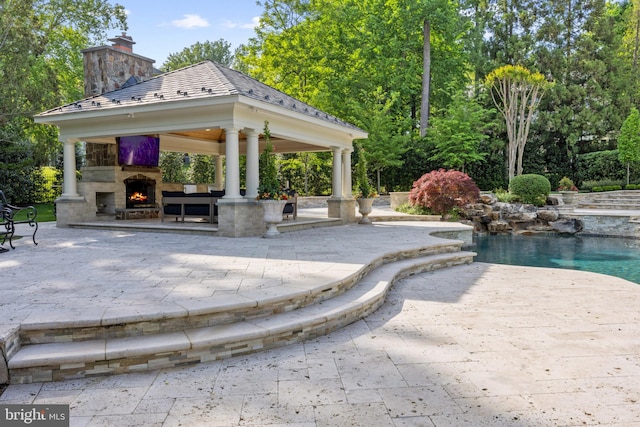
(476, 345)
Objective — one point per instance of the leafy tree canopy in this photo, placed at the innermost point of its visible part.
(629, 140)
(218, 51)
(41, 62)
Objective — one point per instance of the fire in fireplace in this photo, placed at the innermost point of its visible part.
(140, 193)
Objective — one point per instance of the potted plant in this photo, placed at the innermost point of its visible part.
(567, 188)
(364, 191)
(270, 193)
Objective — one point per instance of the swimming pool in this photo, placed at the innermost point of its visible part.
(608, 255)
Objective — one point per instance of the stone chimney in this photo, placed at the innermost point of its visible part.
(107, 68)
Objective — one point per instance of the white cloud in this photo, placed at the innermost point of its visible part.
(255, 21)
(190, 21)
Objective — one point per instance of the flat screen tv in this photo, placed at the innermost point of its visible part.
(139, 150)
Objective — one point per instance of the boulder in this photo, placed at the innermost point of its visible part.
(567, 225)
(488, 199)
(547, 215)
(519, 225)
(519, 212)
(499, 226)
(553, 200)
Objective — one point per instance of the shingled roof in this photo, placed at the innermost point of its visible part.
(203, 80)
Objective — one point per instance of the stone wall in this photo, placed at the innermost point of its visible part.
(305, 202)
(101, 154)
(107, 68)
(610, 225)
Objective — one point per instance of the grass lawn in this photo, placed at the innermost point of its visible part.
(45, 213)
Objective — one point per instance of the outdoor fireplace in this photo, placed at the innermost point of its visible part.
(140, 193)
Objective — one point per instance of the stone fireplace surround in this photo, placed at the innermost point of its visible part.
(104, 188)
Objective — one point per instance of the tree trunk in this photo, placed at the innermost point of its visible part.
(628, 171)
(426, 78)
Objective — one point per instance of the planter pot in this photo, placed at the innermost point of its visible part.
(364, 207)
(568, 197)
(272, 215)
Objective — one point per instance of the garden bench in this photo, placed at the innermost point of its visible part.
(27, 215)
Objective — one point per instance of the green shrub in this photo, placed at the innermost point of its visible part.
(442, 190)
(530, 188)
(413, 210)
(599, 165)
(602, 188)
(504, 196)
(589, 185)
(632, 187)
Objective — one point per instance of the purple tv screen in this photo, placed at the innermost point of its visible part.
(141, 150)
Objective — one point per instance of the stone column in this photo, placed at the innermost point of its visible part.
(253, 167)
(341, 204)
(336, 179)
(219, 178)
(347, 183)
(232, 172)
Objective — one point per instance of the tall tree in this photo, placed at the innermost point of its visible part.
(629, 140)
(337, 55)
(387, 141)
(509, 30)
(631, 45)
(579, 45)
(457, 133)
(41, 65)
(516, 92)
(425, 109)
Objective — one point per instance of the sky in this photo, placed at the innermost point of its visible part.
(162, 27)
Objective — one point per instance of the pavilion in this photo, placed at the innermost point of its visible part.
(208, 109)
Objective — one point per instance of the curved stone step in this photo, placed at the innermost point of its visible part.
(106, 356)
(190, 314)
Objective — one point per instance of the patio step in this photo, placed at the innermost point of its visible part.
(609, 205)
(262, 328)
(618, 200)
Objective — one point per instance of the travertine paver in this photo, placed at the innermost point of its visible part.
(88, 274)
(476, 345)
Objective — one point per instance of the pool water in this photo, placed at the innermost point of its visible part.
(608, 255)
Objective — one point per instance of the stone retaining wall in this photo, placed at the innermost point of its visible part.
(321, 201)
(610, 225)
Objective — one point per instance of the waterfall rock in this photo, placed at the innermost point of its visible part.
(548, 215)
(567, 225)
(488, 199)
